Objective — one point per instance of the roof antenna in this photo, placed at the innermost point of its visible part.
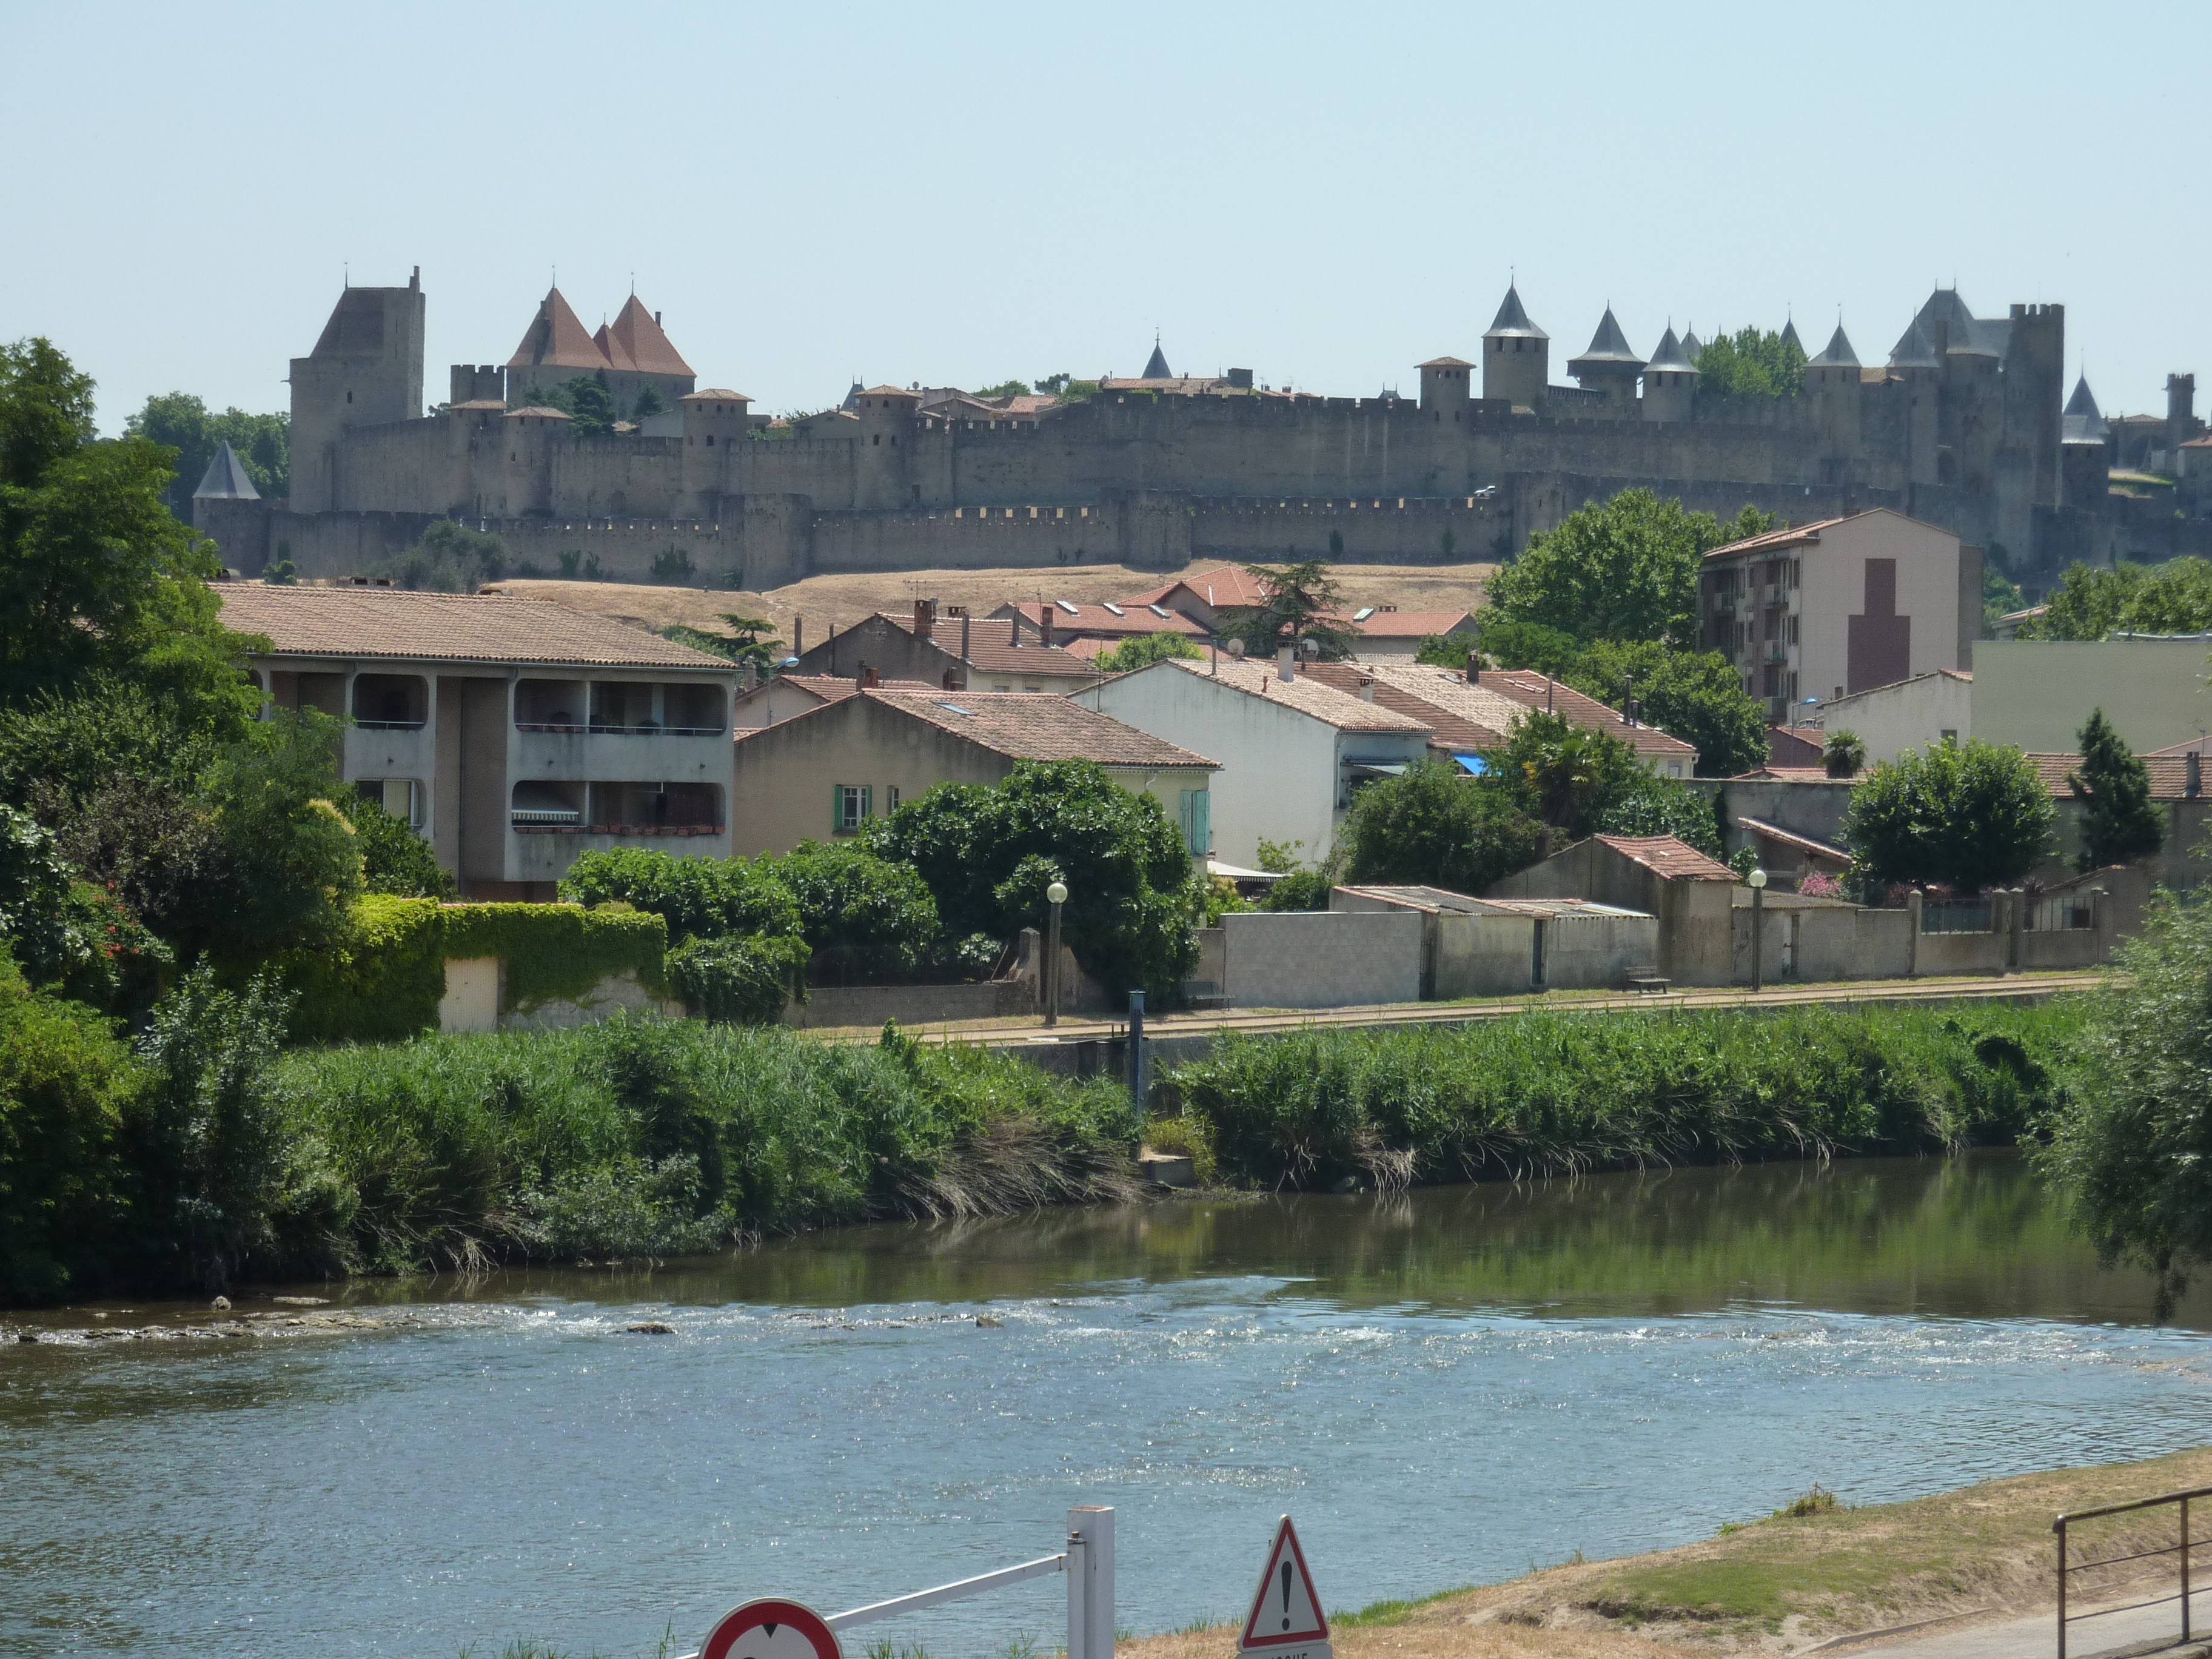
(347, 269)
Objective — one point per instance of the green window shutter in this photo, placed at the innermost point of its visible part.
(867, 802)
(1201, 823)
(1185, 805)
(837, 808)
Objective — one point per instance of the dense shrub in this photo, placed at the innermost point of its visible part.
(393, 859)
(1434, 826)
(699, 898)
(738, 981)
(557, 953)
(381, 979)
(1963, 815)
(1546, 1093)
(880, 919)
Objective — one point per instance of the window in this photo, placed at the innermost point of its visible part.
(401, 796)
(891, 797)
(850, 806)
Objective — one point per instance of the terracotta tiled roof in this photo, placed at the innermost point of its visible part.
(831, 688)
(1664, 855)
(1408, 624)
(991, 648)
(1445, 363)
(1532, 690)
(891, 392)
(393, 622)
(714, 394)
(1797, 536)
(1101, 620)
(616, 354)
(1227, 585)
(2168, 769)
(1786, 774)
(639, 335)
(1457, 724)
(1039, 726)
(1775, 832)
(556, 339)
(541, 411)
(1305, 693)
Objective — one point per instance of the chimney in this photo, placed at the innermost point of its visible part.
(1047, 611)
(1367, 691)
(870, 679)
(1474, 668)
(798, 637)
(1286, 662)
(656, 320)
(752, 675)
(925, 619)
(2192, 768)
(965, 623)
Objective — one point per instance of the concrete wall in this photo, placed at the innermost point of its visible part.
(1823, 941)
(1598, 952)
(1910, 715)
(1693, 929)
(1321, 959)
(2038, 693)
(870, 1005)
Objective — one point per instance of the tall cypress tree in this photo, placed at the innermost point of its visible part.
(2119, 822)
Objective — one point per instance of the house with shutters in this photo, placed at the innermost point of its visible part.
(826, 773)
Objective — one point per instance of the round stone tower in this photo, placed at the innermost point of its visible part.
(712, 421)
(1670, 381)
(1517, 356)
(1446, 389)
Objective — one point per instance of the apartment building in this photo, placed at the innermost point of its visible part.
(512, 734)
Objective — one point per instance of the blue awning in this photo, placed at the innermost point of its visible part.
(1471, 763)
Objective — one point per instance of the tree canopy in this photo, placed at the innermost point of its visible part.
(2120, 823)
(1623, 569)
(1751, 363)
(1964, 815)
(185, 425)
(2174, 598)
(988, 852)
(450, 558)
(1695, 696)
(1436, 826)
(1300, 602)
(1142, 651)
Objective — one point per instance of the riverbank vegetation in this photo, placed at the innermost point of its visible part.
(1545, 1094)
(1802, 1574)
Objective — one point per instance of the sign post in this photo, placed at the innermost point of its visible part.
(1286, 1620)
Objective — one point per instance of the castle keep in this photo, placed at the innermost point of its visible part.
(1966, 425)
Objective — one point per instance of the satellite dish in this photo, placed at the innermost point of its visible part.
(1235, 647)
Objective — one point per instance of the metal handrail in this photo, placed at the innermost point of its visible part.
(2181, 1550)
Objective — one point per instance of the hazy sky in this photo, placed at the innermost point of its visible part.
(959, 194)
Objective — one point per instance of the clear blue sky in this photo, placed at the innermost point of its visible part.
(958, 194)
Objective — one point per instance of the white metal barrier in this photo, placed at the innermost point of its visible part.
(1088, 1561)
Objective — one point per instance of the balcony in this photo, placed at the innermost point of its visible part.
(622, 709)
(391, 703)
(650, 808)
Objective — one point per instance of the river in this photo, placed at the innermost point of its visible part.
(1443, 1388)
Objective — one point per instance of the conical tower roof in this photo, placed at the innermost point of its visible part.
(1512, 319)
(225, 480)
(612, 349)
(1913, 350)
(1790, 334)
(1156, 366)
(556, 339)
(1668, 358)
(1838, 353)
(638, 333)
(1693, 347)
(1608, 347)
(2082, 423)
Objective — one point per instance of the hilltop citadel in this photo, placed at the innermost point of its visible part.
(1966, 424)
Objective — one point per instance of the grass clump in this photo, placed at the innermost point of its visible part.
(650, 1138)
(1548, 1093)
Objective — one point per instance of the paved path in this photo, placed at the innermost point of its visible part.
(1030, 1033)
(2144, 1630)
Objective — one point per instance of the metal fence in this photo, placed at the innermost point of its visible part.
(2066, 913)
(1965, 916)
(2180, 1550)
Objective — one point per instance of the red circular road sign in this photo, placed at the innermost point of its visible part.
(771, 1629)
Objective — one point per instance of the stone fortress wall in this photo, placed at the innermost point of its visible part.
(1963, 429)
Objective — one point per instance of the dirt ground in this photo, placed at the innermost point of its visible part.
(1787, 1585)
(847, 599)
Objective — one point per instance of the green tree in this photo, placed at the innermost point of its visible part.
(648, 403)
(1627, 569)
(1751, 363)
(1691, 695)
(448, 558)
(584, 399)
(184, 423)
(698, 898)
(2001, 597)
(2127, 1147)
(2120, 823)
(292, 862)
(1448, 650)
(1435, 826)
(879, 918)
(96, 574)
(2174, 598)
(1639, 803)
(743, 644)
(1510, 644)
(1965, 816)
(1843, 754)
(1004, 389)
(1561, 774)
(1142, 651)
(1299, 602)
(988, 852)
(393, 858)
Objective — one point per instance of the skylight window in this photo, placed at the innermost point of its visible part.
(1115, 609)
(1362, 615)
(957, 709)
(1160, 611)
(1065, 606)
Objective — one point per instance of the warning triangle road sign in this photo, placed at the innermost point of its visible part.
(1286, 1620)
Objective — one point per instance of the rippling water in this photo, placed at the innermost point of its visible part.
(1444, 1389)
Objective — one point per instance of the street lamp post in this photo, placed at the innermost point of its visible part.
(1056, 896)
(1757, 881)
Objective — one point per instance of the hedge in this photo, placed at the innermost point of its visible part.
(384, 978)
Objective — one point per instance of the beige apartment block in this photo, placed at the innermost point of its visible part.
(511, 734)
(1821, 611)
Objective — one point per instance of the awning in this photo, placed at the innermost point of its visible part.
(1239, 873)
(1377, 768)
(1473, 764)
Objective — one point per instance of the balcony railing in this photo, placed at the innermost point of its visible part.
(545, 824)
(390, 726)
(600, 729)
